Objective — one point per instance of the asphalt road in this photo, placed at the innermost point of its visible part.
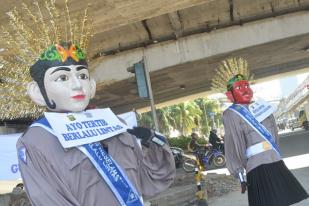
(295, 150)
(294, 143)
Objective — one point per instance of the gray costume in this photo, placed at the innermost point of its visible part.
(54, 176)
(270, 183)
(239, 135)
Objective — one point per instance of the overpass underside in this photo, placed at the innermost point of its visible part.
(266, 61)
(275, 43)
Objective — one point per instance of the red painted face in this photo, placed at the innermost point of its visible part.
(242, 93)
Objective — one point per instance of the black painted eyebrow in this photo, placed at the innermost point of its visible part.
(61, 68)
(80, 68)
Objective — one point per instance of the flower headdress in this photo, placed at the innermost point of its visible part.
(230, 71)
(37, 37)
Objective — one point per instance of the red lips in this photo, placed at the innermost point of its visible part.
(79, 97)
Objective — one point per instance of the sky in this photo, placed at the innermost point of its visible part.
(277, 89)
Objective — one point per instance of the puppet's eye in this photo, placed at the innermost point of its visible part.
(83, 76)
(62, 78)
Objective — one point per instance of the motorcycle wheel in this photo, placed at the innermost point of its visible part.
(189, 165)
(219, 160)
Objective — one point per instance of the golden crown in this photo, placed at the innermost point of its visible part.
(228, 69)
(29, 33)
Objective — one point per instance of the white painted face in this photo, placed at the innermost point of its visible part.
(69, 87)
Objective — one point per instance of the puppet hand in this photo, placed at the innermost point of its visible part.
(243, 186)
(142, 133)
(147, 136)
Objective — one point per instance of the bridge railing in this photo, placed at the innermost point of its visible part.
(295, 98)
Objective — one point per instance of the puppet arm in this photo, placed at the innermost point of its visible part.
(42, 183)
(235, 147)
(157, 166)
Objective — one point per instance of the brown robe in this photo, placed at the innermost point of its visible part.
(54, 176)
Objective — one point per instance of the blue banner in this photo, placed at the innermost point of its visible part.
(8, 157)
(112, 174)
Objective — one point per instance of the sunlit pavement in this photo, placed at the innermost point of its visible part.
(287, 131)
(295, 162)
(7, 186)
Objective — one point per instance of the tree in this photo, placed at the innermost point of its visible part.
(164, 120)
(145, 120)
(209, 106)
(185, 115)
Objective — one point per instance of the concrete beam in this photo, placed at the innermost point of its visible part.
(196, 47)
(125, 12)
(109, 14)
(176, 24)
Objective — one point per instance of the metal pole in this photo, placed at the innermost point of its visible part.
(152, 105)
(200, 194)
(206, 119)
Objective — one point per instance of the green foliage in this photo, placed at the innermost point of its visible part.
(185, 117)
(201, 141)
(209, 106)
(164, 120)
(183, 141)
(145, 120)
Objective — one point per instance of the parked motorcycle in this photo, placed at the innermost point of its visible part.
(220, 147)
(212, 157)
(178, 156)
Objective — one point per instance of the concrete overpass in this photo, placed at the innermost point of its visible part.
(184, 40)
(183, 67)
(299, 96)
(297, 99)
